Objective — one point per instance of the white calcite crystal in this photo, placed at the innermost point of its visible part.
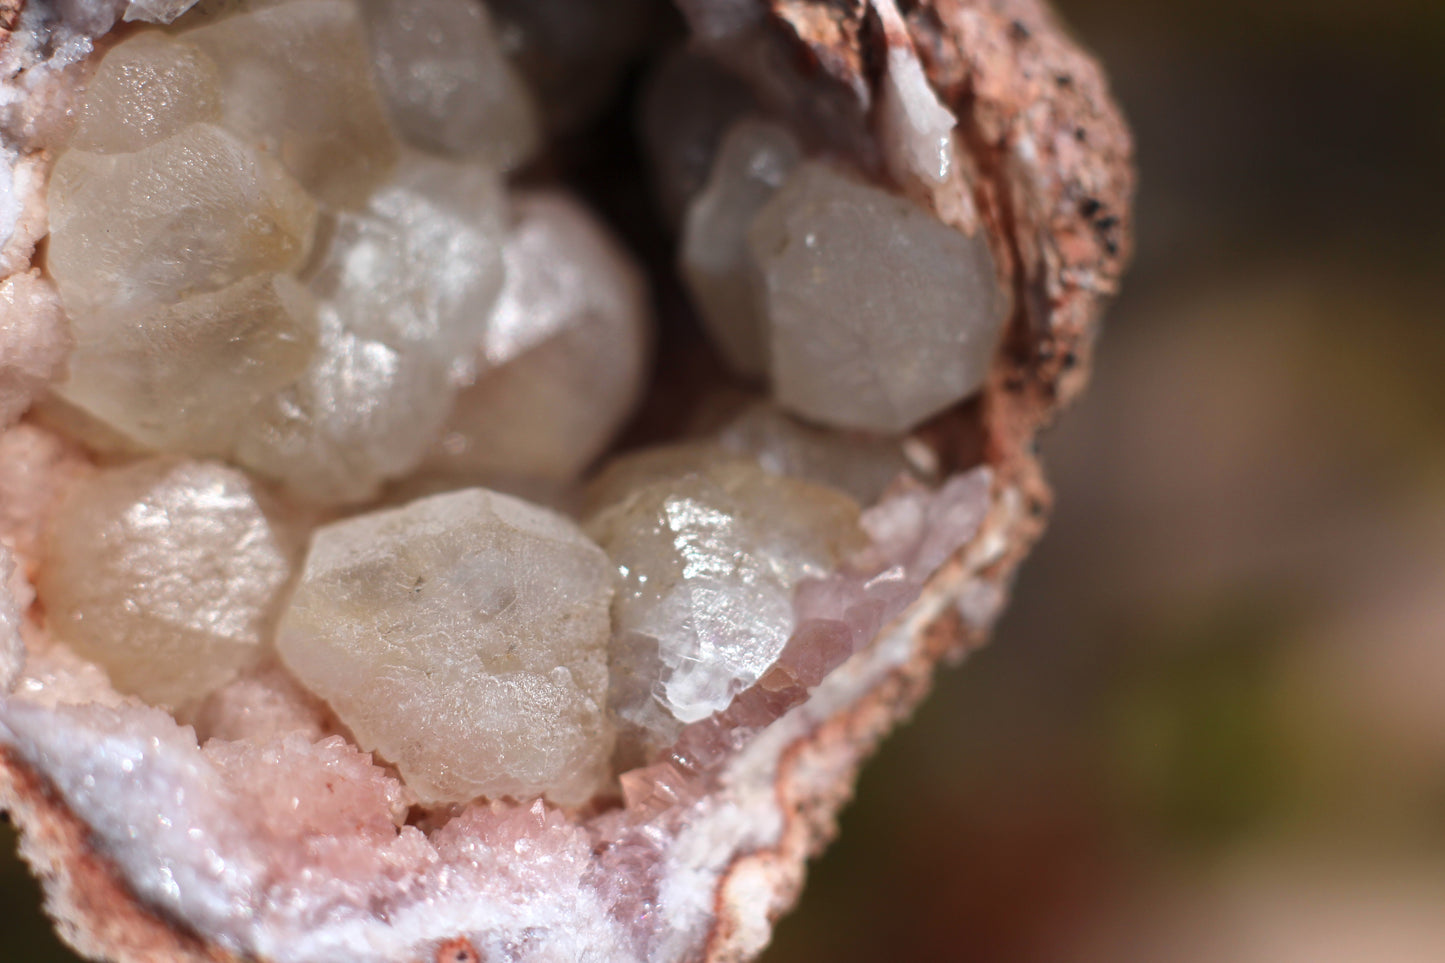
(562, 361)
(405, 286)
(464, 639)
(145, 90)
(447, 83)
(168, 573)
(880, 315)
(751, 164)
(709, 548)
(296, 81)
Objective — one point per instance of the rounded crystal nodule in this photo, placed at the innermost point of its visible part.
(168, 573)
(464, 638)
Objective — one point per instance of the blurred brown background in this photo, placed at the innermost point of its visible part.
(1212, 726)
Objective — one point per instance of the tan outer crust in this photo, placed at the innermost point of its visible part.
(1053, 158)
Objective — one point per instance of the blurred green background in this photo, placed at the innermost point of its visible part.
(1212, 725)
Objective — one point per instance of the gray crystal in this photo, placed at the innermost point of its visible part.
(880, 314)
(751, 164)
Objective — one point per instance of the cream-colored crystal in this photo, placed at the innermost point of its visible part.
(858, 464)
(751, 164)
(561, 364)
(296, 81)
(145, 89)
(880, 315)
(180, 378)
(168, 573)
(193, 213)
(464, 639)
(709, 548)
(447, 82)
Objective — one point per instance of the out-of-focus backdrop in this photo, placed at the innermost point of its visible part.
(1212, 726)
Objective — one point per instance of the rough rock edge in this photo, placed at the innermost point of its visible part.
(1052, 160)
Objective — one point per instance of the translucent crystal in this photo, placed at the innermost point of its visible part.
(861, 465)
(193, 213)
(179, 378)
(751, 164)
(145, 89)
(422, 264)
(561, 364)
(709, 548)
(296, 81)
(448, 84)
(168, 573)
(404, 287)
(464, 638)
(880, 314)
(363, 412)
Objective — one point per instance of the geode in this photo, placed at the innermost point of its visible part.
(365, 598)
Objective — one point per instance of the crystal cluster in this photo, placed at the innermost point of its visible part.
(168, 573)
(278, 232)
(864, 309)
(284, 238)
(464, 637)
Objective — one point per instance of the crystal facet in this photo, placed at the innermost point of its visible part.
(880, 315)
(296, 80)
(448, 84)
(180, 378)
(709, 547)
(752, 163)
(464, 638)
(146, 89)
(561, 363)
(168, 573)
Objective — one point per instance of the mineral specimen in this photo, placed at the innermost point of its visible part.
(167, 573)
(879, 315)
(709, 548)
(324, 241)
(464, 638)
(753, 161)
(445, 79)
(561, 362)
